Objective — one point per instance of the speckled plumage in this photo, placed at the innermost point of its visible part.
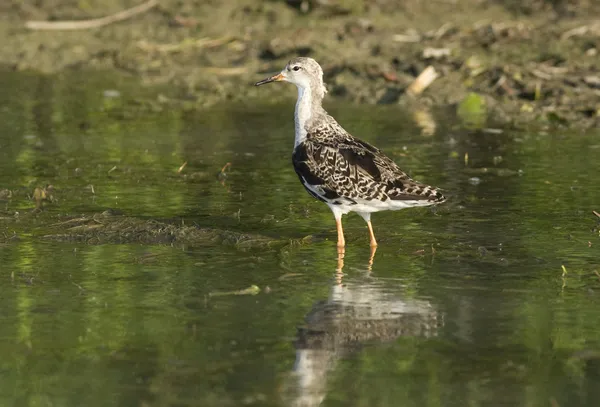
(346, 173)
(341, 170)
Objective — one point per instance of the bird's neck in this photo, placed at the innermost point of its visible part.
(308, 108)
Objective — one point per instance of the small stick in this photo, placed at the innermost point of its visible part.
(596, 213)
(422, 81)
(78, 286)
(224, 71)
(199, 43)
(575, 32)
(93, 23)
(407, 37)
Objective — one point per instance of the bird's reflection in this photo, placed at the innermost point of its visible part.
(340, 263)
(358, 311)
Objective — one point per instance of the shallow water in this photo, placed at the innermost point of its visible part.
(468, 304)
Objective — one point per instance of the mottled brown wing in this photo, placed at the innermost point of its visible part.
(395, 183)
(350, 168)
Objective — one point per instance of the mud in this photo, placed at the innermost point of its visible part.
(532, 62)
(110, 227)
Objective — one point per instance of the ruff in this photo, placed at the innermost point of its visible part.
(348, 174)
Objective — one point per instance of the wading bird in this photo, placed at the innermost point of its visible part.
(346, 173)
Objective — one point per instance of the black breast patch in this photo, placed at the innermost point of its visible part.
(300, 162)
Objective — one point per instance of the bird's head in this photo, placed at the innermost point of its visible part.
(303, 72)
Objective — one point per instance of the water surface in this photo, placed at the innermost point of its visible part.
(491, 299)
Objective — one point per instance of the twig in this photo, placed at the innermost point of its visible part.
(575, 32)
(542, 75)
(502, 83)
(94, 23)
(596, 213)
(78, 286)
(409, 37)
(224, 71)
(252, 290)
(435, 53)
(422, 81)
(440, 32)
(188, 43)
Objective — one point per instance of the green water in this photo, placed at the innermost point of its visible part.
(467, 304)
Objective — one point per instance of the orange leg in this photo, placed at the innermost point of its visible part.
(367, 217)
(340, 231)
(341, 249)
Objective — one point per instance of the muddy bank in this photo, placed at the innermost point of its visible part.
(534, 61)
(114, 227)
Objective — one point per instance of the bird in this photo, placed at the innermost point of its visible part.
(348, 174)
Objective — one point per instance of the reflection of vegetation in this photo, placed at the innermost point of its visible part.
(472, 111)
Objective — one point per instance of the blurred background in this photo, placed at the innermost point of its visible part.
(531, 59)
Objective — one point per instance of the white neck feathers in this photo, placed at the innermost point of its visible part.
(302, 114)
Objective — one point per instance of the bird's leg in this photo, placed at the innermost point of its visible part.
(371, 234)
(337, 214)
(340, 231)
(367, 217)
(341, 250)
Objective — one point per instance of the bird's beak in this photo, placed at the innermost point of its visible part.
(275, 78)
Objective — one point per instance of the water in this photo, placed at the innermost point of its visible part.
(465, 305)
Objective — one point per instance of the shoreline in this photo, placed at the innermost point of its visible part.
(537, 68)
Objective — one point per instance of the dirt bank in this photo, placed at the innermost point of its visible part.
(531, 61)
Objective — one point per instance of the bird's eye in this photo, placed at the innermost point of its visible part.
(296, 68)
